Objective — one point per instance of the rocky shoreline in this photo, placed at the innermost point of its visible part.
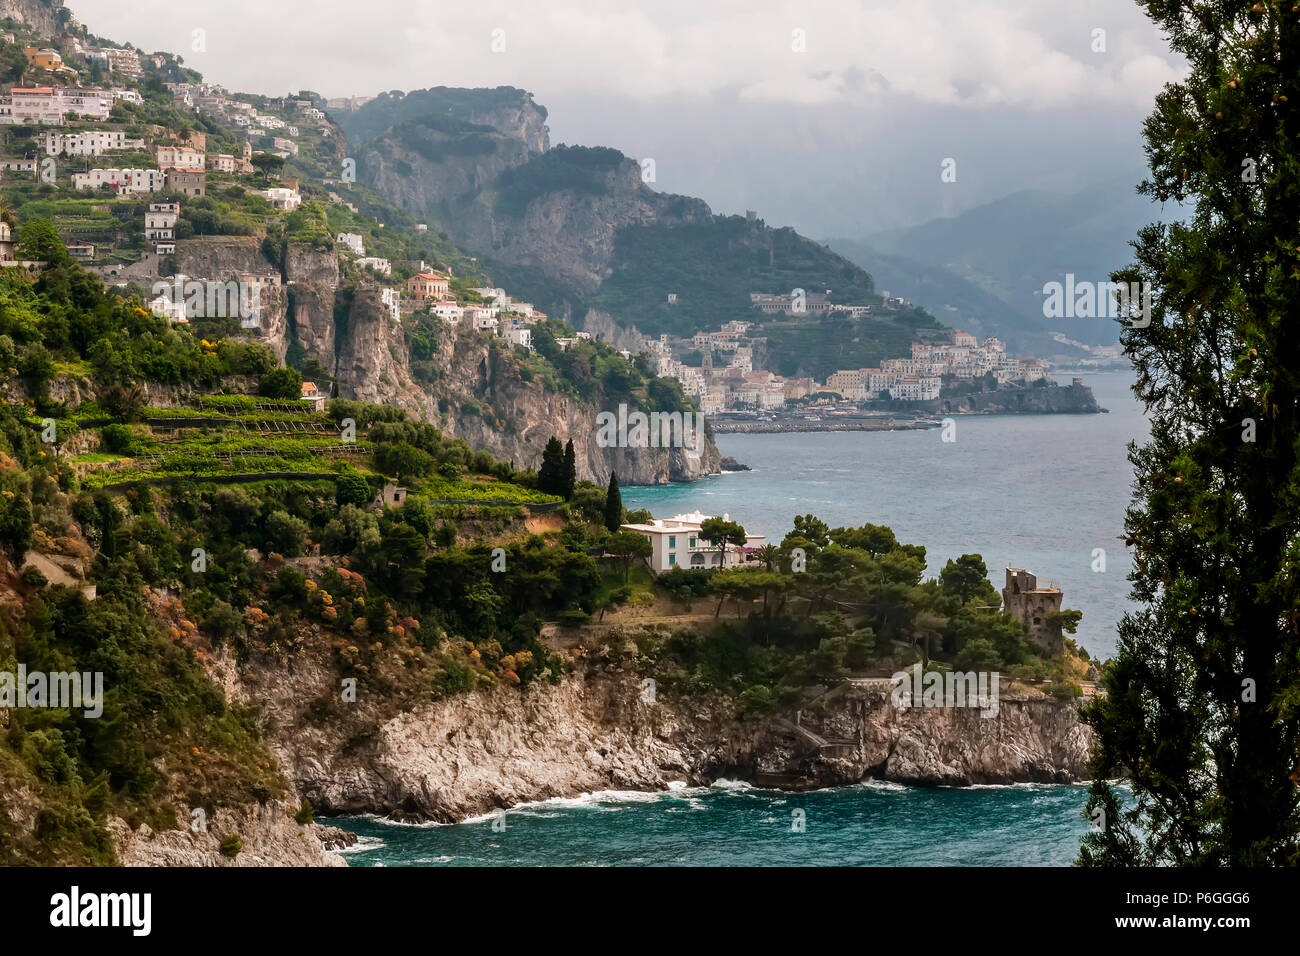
(454, 759)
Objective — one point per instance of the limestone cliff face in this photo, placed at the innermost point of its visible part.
(311, 316)
(43, 16)
(490, 376)
(303, 262)
(372, 365)
(446, 174)
(268, 834)
(371, 361)
(236, 259)
(571, 234)
(457, 758)
(460, 140)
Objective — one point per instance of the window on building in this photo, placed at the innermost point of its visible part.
(672, 560)
(692, 541)
(672, 541)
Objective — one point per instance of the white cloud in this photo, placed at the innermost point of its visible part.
(1000, 53)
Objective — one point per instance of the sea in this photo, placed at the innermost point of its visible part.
(1042, 492)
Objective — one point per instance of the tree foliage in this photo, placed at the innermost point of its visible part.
(1202, 710)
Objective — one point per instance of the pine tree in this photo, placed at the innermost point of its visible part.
(613, 504)
(570, 471)
(1203, 698)
(550, 477)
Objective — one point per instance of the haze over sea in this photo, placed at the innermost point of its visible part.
(1035, 491)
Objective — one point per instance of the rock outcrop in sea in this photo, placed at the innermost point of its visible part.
(452, 759)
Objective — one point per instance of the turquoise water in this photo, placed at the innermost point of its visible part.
(1032, 491)
(871, 824)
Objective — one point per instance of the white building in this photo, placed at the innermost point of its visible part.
(281, 197)
(160, 221)
(379, 265)
(353, 241)
(125, 181)
(97, 104)
(448, 311)
(93, 142)
(393, 299)
(180, 157)
(314, 397)
(915, 388)
(164, 307)
(676, 543)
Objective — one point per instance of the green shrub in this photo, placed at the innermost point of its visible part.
(116, 438)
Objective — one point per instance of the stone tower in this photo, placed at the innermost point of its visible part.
(1025, 601)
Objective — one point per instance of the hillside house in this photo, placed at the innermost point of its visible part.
(127, 182)
(48, 59)
(428, 285)
(314, 397)
(676, 542)
(282, 197)
(389, 496)
(160, 221)
(180, 157)
(187, 182)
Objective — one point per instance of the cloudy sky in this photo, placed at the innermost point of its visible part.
(834, 116)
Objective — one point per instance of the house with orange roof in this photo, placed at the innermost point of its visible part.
(428, 285)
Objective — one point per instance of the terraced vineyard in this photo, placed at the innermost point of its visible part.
(238, 438)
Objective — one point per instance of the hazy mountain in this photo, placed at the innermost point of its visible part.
(986, 268)
(580, 233)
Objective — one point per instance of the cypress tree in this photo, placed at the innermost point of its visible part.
(1202, 709)
(613, 504)
(570, 471)
(550, 477)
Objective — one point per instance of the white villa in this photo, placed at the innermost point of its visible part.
(676, 542)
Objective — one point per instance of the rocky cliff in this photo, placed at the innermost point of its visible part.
(44, 16)
(372, 361)
(351, 331)
(1048, 400)
(453, 759)
(582, 232)
(573, 233)
(268, 834)
(239, 259)
(524, 416)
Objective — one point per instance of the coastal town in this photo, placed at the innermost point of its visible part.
(728, 379)
(71, 139)
(76, 126)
